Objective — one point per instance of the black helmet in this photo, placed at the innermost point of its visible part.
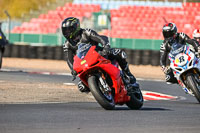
(70, 26)
(169, 30)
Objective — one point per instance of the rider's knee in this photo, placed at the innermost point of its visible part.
(119, 54)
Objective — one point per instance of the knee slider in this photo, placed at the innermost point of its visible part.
(123, 55)
(120, 53)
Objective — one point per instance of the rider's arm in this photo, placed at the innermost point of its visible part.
(163, 53)
(69, 54)
(97, 38)
(196, 42)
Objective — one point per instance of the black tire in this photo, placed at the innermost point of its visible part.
(136, 101)
(95, 89)
(194, 86)
(1, 56)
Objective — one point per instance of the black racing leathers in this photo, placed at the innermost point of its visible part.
(3, 41)
(85, 36)
(91, 37)
(166, 46)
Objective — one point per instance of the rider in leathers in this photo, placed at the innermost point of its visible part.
(196, 35)
(171, 36)
(76, 35)
(3, 40)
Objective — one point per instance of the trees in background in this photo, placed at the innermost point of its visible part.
(18, 7)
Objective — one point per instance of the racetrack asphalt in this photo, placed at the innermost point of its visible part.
(180, 115)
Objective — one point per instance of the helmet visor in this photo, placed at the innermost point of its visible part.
(68, 31)
(168, 34)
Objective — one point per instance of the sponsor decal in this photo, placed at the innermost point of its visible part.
(82, 62)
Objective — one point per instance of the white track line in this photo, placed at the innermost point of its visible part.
(149, 79)
(70, 84)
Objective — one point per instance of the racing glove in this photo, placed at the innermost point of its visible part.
(164, 69)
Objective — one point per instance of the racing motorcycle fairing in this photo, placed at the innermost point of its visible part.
(183, 61)
(89, 62)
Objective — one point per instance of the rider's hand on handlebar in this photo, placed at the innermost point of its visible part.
(164, 69)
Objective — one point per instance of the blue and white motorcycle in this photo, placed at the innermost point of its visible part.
(186, 68)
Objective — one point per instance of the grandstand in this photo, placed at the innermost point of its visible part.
(50, 22)
(146, 21)
(129, 19)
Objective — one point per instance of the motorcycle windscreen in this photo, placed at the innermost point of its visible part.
(83, 50)
(176, 49)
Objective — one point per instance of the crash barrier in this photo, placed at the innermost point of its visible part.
(34, 52)
(136, 44)
(136, 57)
(57, 40)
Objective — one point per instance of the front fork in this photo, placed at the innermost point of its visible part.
(104, 84)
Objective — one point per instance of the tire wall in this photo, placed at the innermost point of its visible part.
(135, 57)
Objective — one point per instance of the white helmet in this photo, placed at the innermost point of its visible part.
(196, 33)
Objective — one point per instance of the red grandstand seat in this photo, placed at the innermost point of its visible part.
(17, 29)
(191, 4)
(42, 16)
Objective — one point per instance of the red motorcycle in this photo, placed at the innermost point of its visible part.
(107, 83)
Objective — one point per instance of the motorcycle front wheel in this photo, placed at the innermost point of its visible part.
(194, 85)
(104, 98)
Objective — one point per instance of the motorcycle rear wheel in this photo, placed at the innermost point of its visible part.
(136, 100)
(101, 98)
(194, 86)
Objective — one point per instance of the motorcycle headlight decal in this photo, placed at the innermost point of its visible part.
(177, 61)
(83, 62)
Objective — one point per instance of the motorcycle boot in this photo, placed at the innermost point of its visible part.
(126, 69)
(169, 77)
(82, 87)
(133, 86)
(121, 56)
